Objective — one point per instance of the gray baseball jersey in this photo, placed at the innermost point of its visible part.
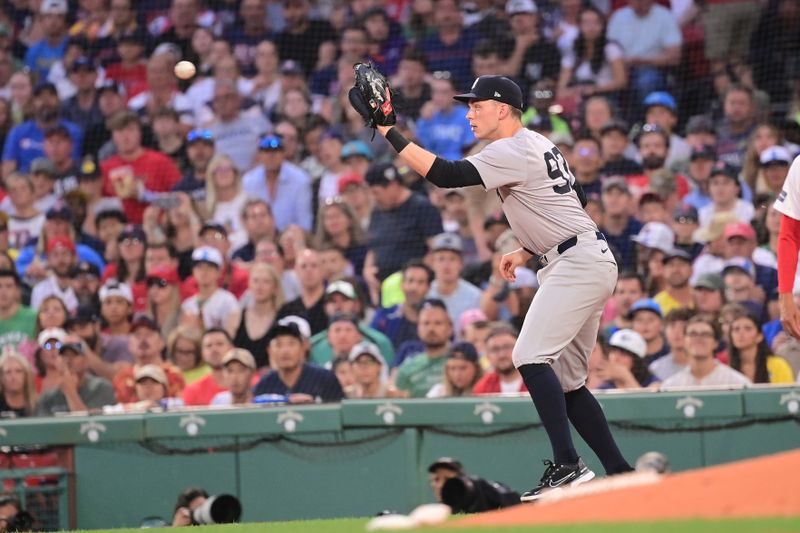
(535, 185)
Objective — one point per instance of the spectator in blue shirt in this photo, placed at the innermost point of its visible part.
(283, 185)
(25, 142)
(399, 322)
(447, 132)
(301, 382)
(450, 48)
(42, 54)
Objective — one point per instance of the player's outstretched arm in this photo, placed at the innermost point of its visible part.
(371, 96)
(413, 154)
(788, 246)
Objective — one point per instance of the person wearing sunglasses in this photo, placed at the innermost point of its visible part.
(77, 390)
(163, 298)
(46, 358)
(702, 337)
(199, 152)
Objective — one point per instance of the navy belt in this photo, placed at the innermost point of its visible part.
(564, 246)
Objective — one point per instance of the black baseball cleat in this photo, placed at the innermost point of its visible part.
(557, 476)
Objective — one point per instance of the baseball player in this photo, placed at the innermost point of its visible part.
(543, 204)
(788, 203)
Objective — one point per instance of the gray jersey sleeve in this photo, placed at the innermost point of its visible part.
(499, 165)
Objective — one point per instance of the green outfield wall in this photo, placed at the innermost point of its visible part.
(361, 457)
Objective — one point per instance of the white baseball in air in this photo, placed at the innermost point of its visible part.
(430, 514)
(185, 69)
(391, 522)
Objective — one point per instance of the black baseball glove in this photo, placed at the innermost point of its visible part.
(371, 96)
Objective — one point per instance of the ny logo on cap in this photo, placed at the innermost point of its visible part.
(474, 83)
(497, 94)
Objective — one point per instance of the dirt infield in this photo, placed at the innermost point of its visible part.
(762, 487)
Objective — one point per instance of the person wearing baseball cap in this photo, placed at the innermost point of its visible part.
(357, 156)
(370, 371)
(447, 262)
(546, 228)
(151, 384)
(708, 292)
(291, 203)
(684, 223)
(647, 320)
(213, 306)
(291, 375)
(239, 367)
(614, 141)
(724, 188)
(626, 368)
(677, 271)
(78, 390)
(662, 109)
(701, 162)
(116, 306)
(164, 297)
(775, 162)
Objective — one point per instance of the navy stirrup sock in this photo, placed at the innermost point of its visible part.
(548, 397)
(589, 420)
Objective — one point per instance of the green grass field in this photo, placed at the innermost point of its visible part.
(347, 525)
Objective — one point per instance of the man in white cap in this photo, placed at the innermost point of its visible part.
(370, 371)
(116, 307)
(212, 306)
(775, 162)
(239, 367)
(625, 367)
(42, 54)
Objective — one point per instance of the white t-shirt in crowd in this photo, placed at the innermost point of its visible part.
(215, 310)
(721, 375)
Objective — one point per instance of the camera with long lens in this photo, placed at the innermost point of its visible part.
(473, 494)
(220, 509)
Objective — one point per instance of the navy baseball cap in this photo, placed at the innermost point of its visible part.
(82, 63)
(498, 88)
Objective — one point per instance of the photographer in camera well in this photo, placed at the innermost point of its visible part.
(467, 494)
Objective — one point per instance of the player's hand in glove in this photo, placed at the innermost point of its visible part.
(371, 96)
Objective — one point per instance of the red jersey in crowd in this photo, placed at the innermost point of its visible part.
(153, 171)
(490, 384)
(202, 391)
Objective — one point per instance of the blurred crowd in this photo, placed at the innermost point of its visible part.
(240, 237)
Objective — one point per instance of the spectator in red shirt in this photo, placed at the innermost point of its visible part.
(215, 344)
(504, 377)
(135, 173)
(131, 71)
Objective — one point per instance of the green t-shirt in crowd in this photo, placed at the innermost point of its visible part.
(322, 353)
(418, 374)
(18, 328)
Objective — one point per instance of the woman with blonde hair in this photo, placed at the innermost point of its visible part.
(224, 195)
(17, 388)
(260, 306)
(338, 226)
(184, 351)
